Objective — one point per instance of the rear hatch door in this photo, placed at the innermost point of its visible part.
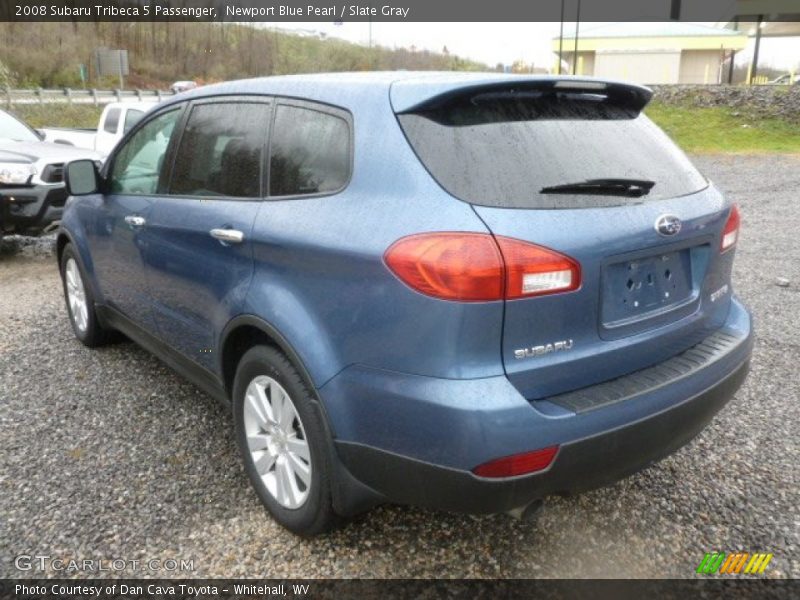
(580, 170)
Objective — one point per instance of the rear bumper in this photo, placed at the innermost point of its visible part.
(415, 440)
(29, 210)
(579, 465)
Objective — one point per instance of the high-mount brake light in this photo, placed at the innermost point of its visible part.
(730, 234)
(577, 84)
(476, 267)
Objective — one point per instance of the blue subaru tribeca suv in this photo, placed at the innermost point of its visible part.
(458, 291)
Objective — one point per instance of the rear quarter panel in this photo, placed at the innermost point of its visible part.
(321, 281)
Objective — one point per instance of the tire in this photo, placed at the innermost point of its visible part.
(82, 315)
(276, 452)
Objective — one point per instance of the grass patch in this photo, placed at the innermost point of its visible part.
(58, 115)
(718, 130)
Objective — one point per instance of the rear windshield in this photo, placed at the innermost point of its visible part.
(503, 150)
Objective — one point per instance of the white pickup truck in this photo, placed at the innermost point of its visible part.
(116, 120)
(32, 192)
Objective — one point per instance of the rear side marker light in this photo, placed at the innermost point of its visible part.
(518, 464)
(731, 231)
(477, 267)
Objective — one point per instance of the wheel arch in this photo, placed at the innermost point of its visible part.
(63, 238)
(245, 331)
(350, 496)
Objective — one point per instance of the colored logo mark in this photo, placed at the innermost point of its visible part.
(738, 562)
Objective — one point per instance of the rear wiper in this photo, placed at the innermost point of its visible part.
(633, 188)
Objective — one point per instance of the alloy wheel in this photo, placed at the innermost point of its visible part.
(277, 442)
(76, 296)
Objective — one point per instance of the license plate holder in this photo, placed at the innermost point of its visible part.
(643, 287)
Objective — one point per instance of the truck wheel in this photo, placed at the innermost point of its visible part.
(283, 441)
(80, 302)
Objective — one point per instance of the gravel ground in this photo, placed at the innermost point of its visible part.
(108, 454)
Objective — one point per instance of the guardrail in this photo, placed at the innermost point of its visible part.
(68, 95)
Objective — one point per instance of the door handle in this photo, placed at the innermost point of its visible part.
(135, 221)
(229, 236)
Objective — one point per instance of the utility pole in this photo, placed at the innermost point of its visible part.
(561, 38)
(675, 10)
(733, 52)
(754, 68)
(577, 29)
(119, 62)
(369, 25)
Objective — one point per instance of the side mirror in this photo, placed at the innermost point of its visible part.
(81, 178)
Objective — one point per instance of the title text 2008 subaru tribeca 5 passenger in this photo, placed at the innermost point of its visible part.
(459, 291)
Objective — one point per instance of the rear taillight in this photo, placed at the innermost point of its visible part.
(518, 464)
(451, 266)
(731, 232)
(532, 270)
(476, 267)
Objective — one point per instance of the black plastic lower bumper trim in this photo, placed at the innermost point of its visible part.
(579, 466)
(712, 349)
(30, 209)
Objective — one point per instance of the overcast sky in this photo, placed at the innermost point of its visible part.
(494, 43)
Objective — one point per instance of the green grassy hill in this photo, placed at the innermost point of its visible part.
(50, 54)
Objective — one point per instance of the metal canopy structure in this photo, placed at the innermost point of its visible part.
(763, 19)
(756, 19)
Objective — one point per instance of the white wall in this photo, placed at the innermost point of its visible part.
(639, 66)
(585, 62)
(696, 65)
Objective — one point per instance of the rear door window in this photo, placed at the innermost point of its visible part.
(221, 150)
(504, 149)
(309, 152)
(112, 120)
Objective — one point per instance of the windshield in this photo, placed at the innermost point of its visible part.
(530, 151)
(12, 128)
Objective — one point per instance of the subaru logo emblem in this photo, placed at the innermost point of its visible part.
(668, 225)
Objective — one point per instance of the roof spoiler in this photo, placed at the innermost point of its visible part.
(630, 97)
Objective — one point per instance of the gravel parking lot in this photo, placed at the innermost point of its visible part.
(109, 454)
